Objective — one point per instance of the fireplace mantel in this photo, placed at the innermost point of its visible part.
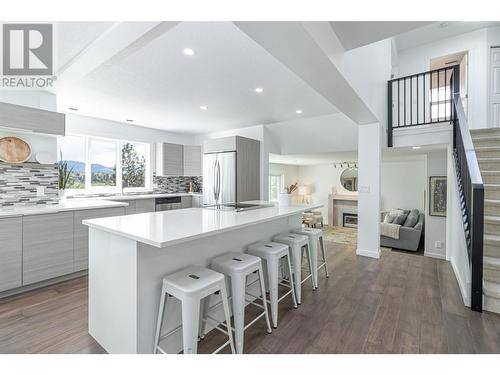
(338, 204)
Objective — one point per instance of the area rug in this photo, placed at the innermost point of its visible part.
(343, 235)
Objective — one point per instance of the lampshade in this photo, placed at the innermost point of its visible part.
(304, 190)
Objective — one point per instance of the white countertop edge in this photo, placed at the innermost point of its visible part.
(147, 241)
(131, 197)
(63, 206)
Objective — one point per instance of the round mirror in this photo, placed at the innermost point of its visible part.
(349, 179)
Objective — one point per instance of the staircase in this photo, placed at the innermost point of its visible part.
(487, 145)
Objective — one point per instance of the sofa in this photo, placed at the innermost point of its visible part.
(409, 237)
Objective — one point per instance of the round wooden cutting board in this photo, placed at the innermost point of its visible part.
(14, 150)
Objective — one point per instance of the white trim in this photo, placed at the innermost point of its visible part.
(368, 253)
(430, 254)
(464, 287)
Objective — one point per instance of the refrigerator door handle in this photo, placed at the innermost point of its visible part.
(218, 179)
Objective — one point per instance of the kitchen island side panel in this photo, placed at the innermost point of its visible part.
(113, 291)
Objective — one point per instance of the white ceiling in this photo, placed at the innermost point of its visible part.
(354, 34)
(160, 87)
(437, 31)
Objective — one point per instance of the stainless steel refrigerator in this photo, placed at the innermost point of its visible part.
(219, 178)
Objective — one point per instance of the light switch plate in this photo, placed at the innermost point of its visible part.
(364, 189)
(40, 191)
(438, 244)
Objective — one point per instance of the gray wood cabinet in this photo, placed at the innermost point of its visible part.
(196, 201)
(47, 246)
(144, 205)
(248, 167)
(169, 159)
(224, 144)
(131, 208)
(81, 235)
(11, 252)
(31, 119)
(192, 160)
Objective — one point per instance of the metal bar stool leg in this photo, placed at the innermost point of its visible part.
(190, 314)
(323, 252)
(263, 295)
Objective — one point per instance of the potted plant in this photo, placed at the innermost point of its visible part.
(64, 177)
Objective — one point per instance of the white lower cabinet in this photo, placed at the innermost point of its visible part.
(81, 237)
(11, 252)
(47, 246)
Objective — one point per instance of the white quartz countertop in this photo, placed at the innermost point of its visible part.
(131, 197)
(165, 228)
(63, 205)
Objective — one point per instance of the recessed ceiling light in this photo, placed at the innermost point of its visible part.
(416, 147)
(188, 51)
(259, 90)
(129, 120)
(298, 111)
(73, 109)
(203, 107)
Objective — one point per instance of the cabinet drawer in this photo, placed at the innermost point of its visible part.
(81, 239)
(47, 246)
(11, 252)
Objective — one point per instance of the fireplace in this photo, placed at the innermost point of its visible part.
(349, 220)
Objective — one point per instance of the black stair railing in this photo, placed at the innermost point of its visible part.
(434, 97)
(420, 99)
(471, 192)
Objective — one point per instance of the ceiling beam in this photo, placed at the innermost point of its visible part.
(119, 41)
(292, 45)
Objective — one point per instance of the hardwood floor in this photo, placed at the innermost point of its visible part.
(402, 303)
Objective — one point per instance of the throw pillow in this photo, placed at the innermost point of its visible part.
(400, 219)
(412, 219)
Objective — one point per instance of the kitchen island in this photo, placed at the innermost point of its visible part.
(130, 255)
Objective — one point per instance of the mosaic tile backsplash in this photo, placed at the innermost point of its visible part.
(18, 183)
(177, 184)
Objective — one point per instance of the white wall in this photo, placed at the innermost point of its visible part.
(368, 69)
(328, 133)
(417, 60)
(435, 226)
(403, 184)
(321, 178)
(289, 172)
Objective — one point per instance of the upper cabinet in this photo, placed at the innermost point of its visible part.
(31, 119)
(192, 160)
(216, 145)
(178, 160)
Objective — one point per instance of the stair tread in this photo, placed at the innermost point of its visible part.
(492, 218)
(493, 202)
(491, 261)
(490, 172)
(488, 159)
(491, 238)
(487, 148)
(491, 289)
(492, 186)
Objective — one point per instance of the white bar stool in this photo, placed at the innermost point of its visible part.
(297, 242)
(238, 267)
(190, 286)
(315, 236)
(272, 253)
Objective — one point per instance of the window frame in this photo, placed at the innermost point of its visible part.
(281, 180)
(89, 189)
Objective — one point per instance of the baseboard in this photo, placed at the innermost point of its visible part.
(368, 253)
(463, 286)
(434, 255)
(41, 284)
